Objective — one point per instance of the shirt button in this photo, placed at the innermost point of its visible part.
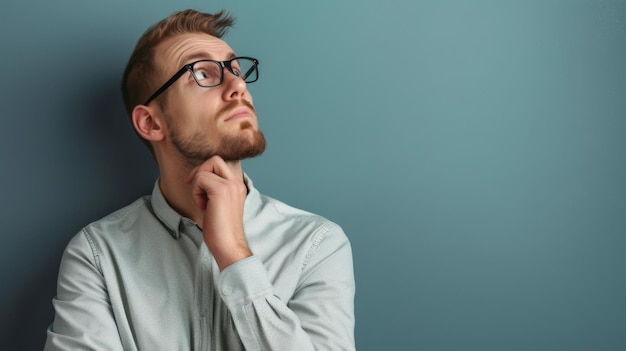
(227, 290)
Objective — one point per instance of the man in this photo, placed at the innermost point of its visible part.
(206, 262)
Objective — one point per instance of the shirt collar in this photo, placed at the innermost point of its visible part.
(174, 222)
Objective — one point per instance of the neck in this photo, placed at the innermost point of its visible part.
(176, 190)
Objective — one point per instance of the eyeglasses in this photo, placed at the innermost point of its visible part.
(210, 73)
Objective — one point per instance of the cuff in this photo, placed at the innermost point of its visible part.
(243, 281)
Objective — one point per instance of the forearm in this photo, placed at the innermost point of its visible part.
(319, 316)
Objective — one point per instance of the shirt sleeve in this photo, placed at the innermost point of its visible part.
(319, 315)
(83, 316)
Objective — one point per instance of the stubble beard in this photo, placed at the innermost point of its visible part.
(246, 143)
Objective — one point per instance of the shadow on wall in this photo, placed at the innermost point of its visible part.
(31, 311)
(102, 167)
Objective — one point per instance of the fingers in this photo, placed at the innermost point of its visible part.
(215, 165)
(214, 179)
(220, 193)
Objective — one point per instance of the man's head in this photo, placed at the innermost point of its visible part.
(171, 107)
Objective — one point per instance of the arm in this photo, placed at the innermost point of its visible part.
(83, 315)
(320, 314)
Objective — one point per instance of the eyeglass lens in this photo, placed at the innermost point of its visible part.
(209, 73)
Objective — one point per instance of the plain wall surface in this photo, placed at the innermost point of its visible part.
(473, 151)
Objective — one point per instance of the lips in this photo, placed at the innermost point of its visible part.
(242, 112)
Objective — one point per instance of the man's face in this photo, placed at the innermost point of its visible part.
(203, 122)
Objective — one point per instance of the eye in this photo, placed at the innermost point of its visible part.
(206, 72)
(200, 75)
(236, 71)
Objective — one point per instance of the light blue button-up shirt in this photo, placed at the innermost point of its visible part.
(142, 278)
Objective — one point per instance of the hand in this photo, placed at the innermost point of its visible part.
(220, 195)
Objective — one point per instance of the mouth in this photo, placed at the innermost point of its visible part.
(239, 113)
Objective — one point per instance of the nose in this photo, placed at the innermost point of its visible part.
(234, 87)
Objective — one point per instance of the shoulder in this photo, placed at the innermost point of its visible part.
(123, 220)
(118, 228)
(297, 224)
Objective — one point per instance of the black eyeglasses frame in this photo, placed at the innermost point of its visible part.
(189, 68)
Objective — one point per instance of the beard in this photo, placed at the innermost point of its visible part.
(247, 142)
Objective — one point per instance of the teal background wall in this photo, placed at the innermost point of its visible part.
(473, 151)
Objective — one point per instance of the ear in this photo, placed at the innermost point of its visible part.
(147, 125)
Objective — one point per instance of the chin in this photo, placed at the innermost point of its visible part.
(243, 146)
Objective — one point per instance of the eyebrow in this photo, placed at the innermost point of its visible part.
(203, 56)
